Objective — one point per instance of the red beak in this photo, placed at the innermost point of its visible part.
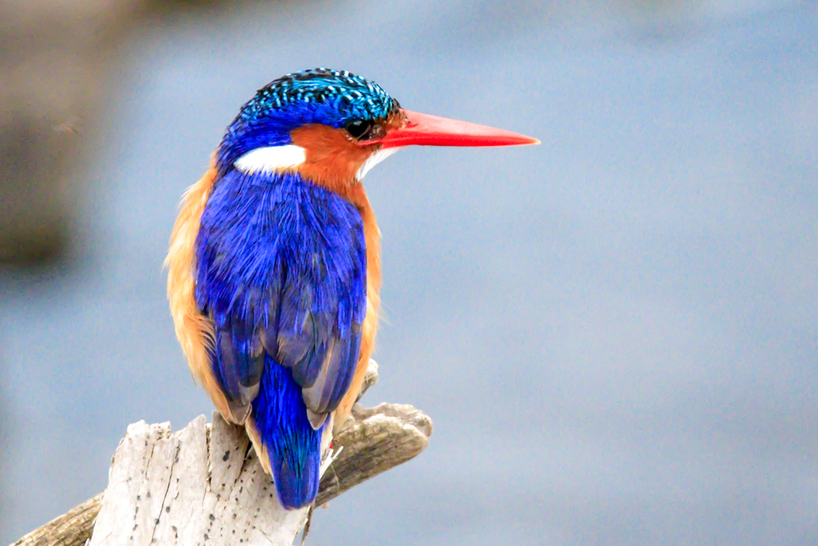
(426, 130)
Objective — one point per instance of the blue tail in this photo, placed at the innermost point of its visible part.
(292, 444)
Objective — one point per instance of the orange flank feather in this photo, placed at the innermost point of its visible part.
(372, 235)
(194, 330)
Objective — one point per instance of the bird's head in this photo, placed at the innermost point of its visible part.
(333, 126)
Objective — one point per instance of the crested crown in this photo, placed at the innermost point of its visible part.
(319, 95)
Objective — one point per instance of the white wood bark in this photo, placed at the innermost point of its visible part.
(205, 485)
(197, 486)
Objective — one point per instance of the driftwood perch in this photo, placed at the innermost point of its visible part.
(205, 483)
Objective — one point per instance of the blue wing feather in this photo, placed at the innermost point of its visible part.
(293, 445)
(281, 266)
(281, 271)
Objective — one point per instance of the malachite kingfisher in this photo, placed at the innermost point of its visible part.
(274, 269)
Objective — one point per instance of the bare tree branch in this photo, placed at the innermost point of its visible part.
(205, 482)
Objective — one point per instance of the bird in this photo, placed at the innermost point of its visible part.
(274, 268)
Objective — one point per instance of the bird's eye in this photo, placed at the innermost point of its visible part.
(359, 128)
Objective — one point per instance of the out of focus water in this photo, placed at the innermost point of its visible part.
(615, 332)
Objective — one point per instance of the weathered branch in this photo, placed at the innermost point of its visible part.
(70, 529)
(375, 440)
(205, 483)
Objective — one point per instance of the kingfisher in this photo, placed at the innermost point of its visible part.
(274, 268)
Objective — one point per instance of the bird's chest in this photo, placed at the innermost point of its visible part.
(264, 236)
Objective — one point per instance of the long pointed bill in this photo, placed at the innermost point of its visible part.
(426, 130)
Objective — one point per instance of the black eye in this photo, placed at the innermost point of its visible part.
(358, 128)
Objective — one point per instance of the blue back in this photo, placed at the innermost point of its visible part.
(281, 271)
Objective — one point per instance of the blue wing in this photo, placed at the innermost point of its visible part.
(281, 271)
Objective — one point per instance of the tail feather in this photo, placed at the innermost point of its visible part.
(293, 446)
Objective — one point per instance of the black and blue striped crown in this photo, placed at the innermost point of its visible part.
(320, 95)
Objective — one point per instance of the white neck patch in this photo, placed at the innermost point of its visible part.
(271, 159)
(373, 160)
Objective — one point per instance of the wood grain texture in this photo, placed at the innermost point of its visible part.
(206, 483)
(374, 440)
(70, 529)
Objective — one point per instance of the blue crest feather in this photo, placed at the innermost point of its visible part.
(321, 95)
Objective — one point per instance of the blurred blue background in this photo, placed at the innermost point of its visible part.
(614, 332)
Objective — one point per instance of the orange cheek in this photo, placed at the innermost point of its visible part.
(333, 158)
